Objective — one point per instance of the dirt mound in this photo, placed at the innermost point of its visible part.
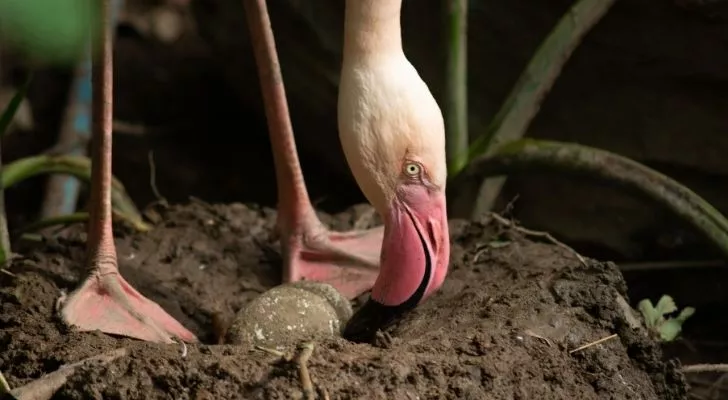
(500, 328)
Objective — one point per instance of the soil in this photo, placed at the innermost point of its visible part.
(502, 326)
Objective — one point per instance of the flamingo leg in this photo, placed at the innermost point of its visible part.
(105, 301)
(349, 261)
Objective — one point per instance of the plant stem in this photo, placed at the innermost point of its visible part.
(69, 219)
(9, 113)
(79, 167)
(456, 118)
(524, 100)
(5, 249)
(538, 155)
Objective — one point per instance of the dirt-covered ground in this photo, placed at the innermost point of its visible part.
(502, 327)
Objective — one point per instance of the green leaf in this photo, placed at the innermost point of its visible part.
(686, 313)
(666, 305)
(9, 113)
(648, 312)
(524, 101)
(49, 31)
(670, 329)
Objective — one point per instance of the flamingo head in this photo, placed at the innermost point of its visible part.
(392, 132)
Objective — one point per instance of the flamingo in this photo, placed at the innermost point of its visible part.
(392, 134)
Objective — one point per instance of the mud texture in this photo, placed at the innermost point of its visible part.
(501, 327)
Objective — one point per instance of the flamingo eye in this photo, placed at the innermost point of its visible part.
(412, 169)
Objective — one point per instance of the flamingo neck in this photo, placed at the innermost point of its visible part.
(372, 28)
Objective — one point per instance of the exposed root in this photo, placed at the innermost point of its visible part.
(539, 234)
(307, 385)
(697, 368)
(45, 387)
(306, 350)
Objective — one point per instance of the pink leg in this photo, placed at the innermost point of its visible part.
(347, 260)
(105, 301)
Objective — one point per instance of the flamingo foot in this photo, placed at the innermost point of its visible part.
(348, 261)
(108, 303)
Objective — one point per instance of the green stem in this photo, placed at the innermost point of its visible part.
(69, 219)
(456, 118)
(524, 101)
(9, 113)
(77, 166)
(5, 120)
(5, 248)
(536, 155)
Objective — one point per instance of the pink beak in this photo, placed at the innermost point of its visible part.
(414, 259)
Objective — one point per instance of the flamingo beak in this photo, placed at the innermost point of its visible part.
(414, 259)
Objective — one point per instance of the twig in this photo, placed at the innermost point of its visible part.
(301, 361)
(6, 272)
(539, 234)
(274, 352)
(537, 336)
(697, 368)
(129, 128)
(153, 179)
(4, 385)
(306, 352)
(45, 387)
(586, 346)
(184, 349)
(524, 101)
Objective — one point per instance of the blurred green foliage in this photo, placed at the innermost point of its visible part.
(49, 31)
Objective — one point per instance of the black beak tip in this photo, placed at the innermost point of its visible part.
(364, 324)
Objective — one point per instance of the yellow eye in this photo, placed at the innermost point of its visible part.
(412, 169)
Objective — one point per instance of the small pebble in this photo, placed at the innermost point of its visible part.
(290, 313)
